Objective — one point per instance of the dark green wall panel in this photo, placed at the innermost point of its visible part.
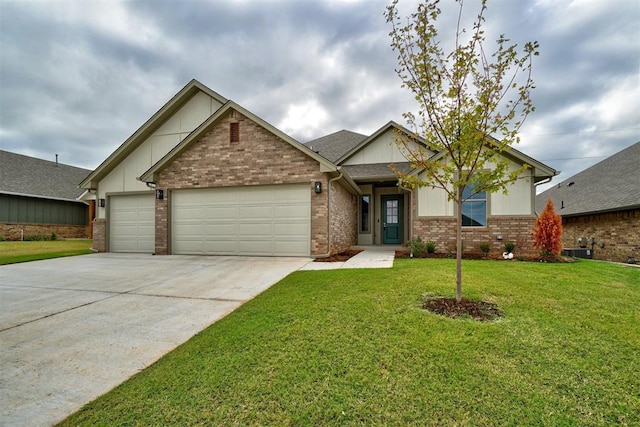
(41, 211)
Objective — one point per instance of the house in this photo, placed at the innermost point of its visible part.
(40, 197)
(600, 207)
(389, 214)
(206, 176)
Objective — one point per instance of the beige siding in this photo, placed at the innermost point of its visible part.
(433, 202)
(383, 149)
(518, 200)
(123, 178)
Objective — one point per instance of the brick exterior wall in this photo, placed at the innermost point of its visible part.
(517, 229)
(344, 219)
(15, 231)
(99, 235)
(259, 158)
(619, 231)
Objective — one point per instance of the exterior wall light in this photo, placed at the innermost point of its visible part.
(102, 203)
(317, 186)
(159, 194)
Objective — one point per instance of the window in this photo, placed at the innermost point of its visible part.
(234, 132)
(474, 208)
(364, 214)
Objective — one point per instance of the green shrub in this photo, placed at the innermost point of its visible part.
(509, 247)
(54, 236)
(485, 247)
(431, 246)
(416, 246)
(1, 239)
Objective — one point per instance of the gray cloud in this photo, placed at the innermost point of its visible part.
(77, 78)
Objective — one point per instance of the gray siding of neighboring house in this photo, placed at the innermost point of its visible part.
(19, 209)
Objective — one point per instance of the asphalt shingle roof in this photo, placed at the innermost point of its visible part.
(610, 185)
(375, 170)
(36, 177)
(335, 145)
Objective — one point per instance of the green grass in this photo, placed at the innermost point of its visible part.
(13, 252)
(352, 347)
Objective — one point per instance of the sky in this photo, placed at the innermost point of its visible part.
(77, 78)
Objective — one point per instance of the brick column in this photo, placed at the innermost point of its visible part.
(100, 235)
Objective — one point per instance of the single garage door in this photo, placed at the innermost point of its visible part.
(132, 223)
(272, 220)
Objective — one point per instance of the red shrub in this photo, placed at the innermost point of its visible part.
(547, 234)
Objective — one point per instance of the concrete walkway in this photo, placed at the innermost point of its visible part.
(370, 257)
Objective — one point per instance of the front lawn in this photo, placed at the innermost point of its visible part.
(353, 347)
(13, 252)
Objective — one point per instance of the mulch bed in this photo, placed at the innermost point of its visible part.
(489, 256)
(341, 257)
(449, 307)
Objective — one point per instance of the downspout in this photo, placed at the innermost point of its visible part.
(328, 254)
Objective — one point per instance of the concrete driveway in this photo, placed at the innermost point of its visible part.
(73, 328)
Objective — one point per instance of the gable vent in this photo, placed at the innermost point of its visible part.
(234, 132)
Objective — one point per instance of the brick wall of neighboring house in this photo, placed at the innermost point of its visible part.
(344, 218)
(517, 229)
(99, 235)
(16, 231)
(619, 231)
(259, 158)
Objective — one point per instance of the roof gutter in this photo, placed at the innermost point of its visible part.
(37, 196)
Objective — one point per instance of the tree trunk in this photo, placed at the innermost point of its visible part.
(459, 245)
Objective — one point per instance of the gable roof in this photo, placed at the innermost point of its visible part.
(389, 125)
(335, 145)
(539, 169)
(28, 176)
(174, 104)
(610, 185)
(151, 174)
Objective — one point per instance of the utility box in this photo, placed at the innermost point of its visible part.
(578, 253)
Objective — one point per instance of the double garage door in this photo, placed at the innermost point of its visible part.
(262, 220)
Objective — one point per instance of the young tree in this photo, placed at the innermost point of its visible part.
(464, 97)
(547, 233)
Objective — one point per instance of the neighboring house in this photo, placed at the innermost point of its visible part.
(603, 203)
(39, 197)
(205, 176)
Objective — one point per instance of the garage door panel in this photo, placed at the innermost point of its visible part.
(220, 212)
(289, 230)
(255, 231)
(132, 223)
(256, 212)
(261, 220)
